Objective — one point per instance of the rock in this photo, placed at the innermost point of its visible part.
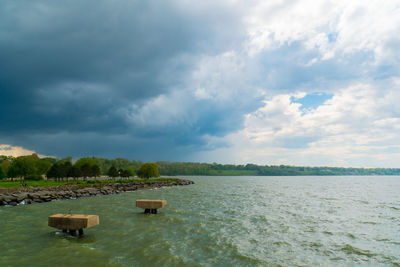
(92, 191)
(14, 196)
(21, 197)
(45, 197)
(9, 199)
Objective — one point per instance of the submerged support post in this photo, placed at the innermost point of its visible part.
(80, 232)
(72, 232)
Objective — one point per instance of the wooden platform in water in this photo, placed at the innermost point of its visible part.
(73, 221)
(150, 203)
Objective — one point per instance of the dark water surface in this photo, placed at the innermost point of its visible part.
(220, 221)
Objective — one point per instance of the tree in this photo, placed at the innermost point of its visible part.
(60, 170)
(96, 170)
(24, 166)
(74, 172)
(82, 161)
(64, 169)
(12, 171)
(148, 170)
(89, 167)
(48, 159)
(86, 170)
(43, 166)
(2, 174)
(54, 172)
(5, 164)
(127, 173)
(113, 172)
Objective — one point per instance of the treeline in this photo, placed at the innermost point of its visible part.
(193, 168)
(30, 167)
(33, 167)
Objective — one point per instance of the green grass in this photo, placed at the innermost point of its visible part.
(94, 183)
(11, 184)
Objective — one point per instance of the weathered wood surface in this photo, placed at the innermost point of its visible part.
(73, 221)
(150, 203)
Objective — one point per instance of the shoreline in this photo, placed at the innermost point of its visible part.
(32, 195)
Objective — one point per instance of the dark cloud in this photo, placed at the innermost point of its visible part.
(69, 67)
(119, 78)
(70, 70)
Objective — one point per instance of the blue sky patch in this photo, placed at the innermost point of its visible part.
(313, 100)
(332, 37)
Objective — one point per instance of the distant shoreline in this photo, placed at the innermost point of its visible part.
(32, 195)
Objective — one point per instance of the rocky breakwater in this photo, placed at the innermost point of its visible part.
(16, 196)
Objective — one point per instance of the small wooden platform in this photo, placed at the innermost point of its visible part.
(150, 205)
(73, 222)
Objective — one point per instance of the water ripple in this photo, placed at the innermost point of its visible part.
(220, 221)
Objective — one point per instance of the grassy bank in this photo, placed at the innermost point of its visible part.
(92, 183)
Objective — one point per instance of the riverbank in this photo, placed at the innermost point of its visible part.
(30, 195)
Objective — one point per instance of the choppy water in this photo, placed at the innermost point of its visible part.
(220, 221)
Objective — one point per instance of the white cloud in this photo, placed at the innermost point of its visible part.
(358, 126)
(163, 110)
(333, 27)
(15, 151)
(201, 93)
(220, 77)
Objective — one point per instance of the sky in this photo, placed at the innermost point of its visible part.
(304, 82)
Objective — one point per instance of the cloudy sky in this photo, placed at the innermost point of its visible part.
(269, 82)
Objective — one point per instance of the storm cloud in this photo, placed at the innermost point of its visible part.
(73, 68)
(178, 80)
